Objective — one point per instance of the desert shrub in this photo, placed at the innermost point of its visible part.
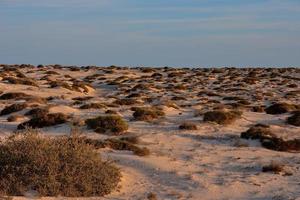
(111, 112)
(14, 95)
(125, 101)
(258, 109)
(14, 118)
(13, 108)
(274, 167)
(269, 140)
(188, 126)
(147, 113)
(111, 123)
(82, 98)
(36, 112)
(54, 84)
(45, 120)
(294, 119)
(280, 108)
(92, 106)
(22, 81)
(54, 166)
(221, 117)
(121, 144)
(258, 131)
(151, 196)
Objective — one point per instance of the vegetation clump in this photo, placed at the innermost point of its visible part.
(147, 113)
(13, 108)
(108, 124)
(64, 166)
(274, 167)
(45, 120)
(280, 108)
(14, 95)
(92, 106)
(188, 126)
(294, 119)
(221, 117)
(270, 140)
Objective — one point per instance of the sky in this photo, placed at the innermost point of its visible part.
(178, 33)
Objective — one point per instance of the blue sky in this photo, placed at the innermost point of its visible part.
(189, 33)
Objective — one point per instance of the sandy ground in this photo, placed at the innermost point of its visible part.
(211, 163)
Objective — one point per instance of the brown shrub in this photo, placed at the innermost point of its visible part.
(121, 144)
(125, 101)
(13, 108)
(41, 121)
(14, 118)
(147, 113)
(14, 95)
(274, 167)
(104, 124)
(92, 106)
(36, 112)
(22, 81)
(54, 166)
(269, 140)
(188, 126)
(280, 108)
(294, 119)
(221, 117)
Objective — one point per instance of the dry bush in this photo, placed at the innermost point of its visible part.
(294, 119)
(280, 108)
(274, 167)
(21, 81)
(121, 144)
(269, 140)
(222, 117)
(14, 118)
(93, 106)
(36, 112)
(188, 126)
(64, 166)
(147, 113)
(108, 124)
(14, 95)
(258, 131)
(126, 101)
(45, 120)
(13, 108)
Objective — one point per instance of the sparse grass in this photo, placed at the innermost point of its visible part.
(64, 166)
(108, 124)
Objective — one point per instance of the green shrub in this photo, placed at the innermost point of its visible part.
(110, 123)
(64, 166)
